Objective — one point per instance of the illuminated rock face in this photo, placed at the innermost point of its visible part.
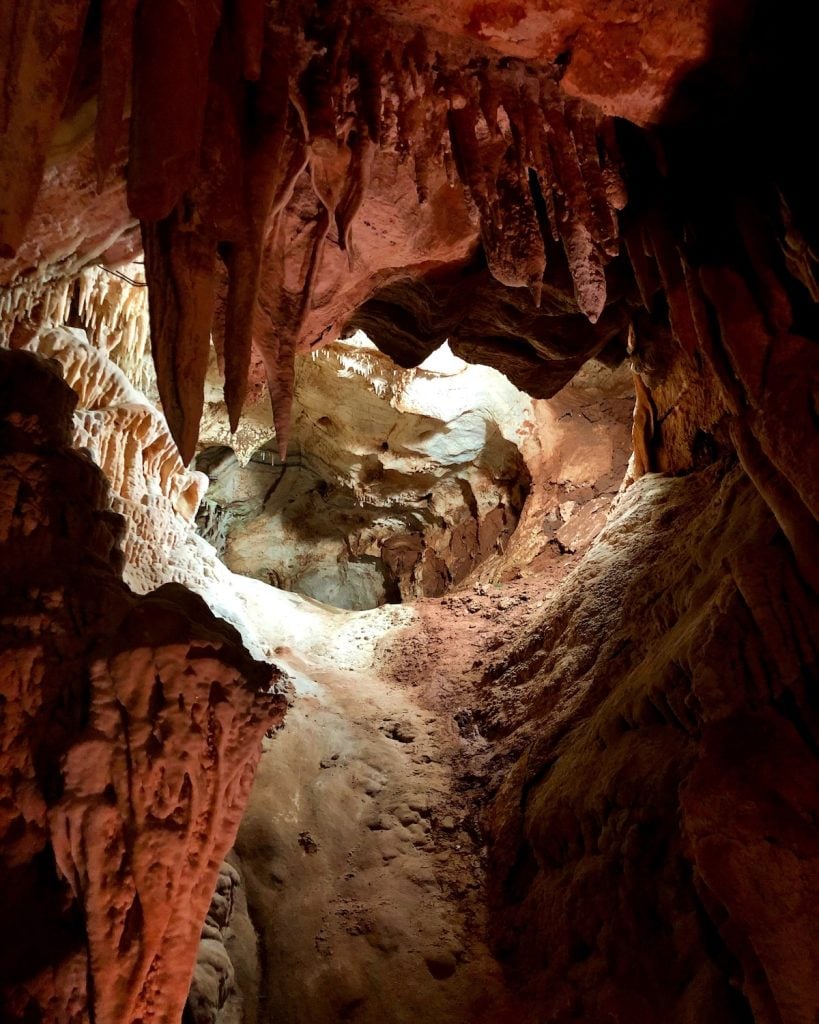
(398, 484)
(130, 732)
(404, 484)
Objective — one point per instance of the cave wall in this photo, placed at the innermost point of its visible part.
(130, 729)
(398, 483)
(653, 825)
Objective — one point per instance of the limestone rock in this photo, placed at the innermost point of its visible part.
(120, 804)
(657, 815)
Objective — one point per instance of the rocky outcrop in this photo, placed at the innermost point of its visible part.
(129, 733)
(655, 848)
(128, 439)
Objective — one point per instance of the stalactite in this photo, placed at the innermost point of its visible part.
(180, 268)
(514, 250)
(231, 107)
(670, 267)
(39, 44)
(274, 312)
(276, 156)
(586, 269)
(171, 54)
(489, 99)
(217, 185)
(117, 57)
(565, 158)
(644, 267)
(574, 214)
(467, 152)
(428, 146)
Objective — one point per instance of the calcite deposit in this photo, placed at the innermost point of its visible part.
(130, 730)
(592, 762)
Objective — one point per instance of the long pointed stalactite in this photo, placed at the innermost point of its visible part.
(231, 103)
(235, 107)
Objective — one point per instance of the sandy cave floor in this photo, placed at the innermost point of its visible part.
(361, 848)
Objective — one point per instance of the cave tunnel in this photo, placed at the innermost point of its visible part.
(409, 578)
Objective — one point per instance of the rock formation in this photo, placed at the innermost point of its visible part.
(554, 190)
(130, 731)
(397, 483)
(655, 848)
(402, 484)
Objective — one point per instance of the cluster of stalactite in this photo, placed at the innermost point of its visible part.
(111, 306)
(232, 103)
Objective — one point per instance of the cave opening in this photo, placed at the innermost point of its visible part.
(396, 484)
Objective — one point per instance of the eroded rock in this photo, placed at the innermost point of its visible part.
(130, 731)
(655, 818)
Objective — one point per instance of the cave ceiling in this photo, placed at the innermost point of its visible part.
(540, 183)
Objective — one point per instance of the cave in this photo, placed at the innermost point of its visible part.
(414, 480)
(409, 559)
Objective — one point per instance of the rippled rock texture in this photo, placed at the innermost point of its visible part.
(655, 848)
(129, 733)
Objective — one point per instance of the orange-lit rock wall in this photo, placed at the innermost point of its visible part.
(129, 732)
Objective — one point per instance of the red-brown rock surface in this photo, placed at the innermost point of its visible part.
(129, 733)
(256, 137)
(655, 847)
(300, 170)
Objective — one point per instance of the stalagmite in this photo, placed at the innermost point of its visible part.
(251, 18)
(275, 158)
(358, 177)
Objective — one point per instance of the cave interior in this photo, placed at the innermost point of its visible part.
(409, 499)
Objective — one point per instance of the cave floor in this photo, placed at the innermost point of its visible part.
(361, 847)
